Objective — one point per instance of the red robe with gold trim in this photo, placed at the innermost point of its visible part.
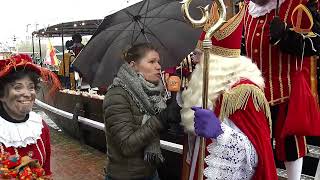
(255, 125)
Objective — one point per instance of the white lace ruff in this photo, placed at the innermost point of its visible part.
(21, 134)
(231, 157)
(257, 11)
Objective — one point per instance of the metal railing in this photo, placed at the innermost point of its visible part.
(169, 146)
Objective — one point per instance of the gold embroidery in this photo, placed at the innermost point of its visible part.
(246, 24)
(287, 12)
(247, 38)
(224, 52)
(280, 75)
(221, 51)
(261, 40)
(230, 26)
(246, 17)
(278, 101)
(313, 77)
(270, 74)
(297, 146)
(305, 144)
(299, 16)
(288, 75)
(251, 43)
(40, 154)
(237, 98)
(44, 149)
(297, 27)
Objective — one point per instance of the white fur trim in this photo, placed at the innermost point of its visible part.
(21, 134)
(257, 11)
(231, 156)
(224, 73)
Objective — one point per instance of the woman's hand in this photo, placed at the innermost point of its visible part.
(171, 114)
(206, 123)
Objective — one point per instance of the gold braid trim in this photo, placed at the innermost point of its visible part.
(237, 98)
(221, 51)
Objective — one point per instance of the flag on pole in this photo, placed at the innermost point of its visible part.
(51, 57)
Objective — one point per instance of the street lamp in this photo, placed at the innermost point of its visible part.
(27, 31)
(28, 27)
(37, 26)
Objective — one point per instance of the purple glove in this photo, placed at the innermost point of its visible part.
(206, 123)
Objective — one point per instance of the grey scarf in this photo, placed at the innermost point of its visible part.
(148, 97)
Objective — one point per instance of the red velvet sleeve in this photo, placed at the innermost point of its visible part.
(256, 127)
(47, 144)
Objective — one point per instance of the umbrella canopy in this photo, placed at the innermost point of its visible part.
(159, 22)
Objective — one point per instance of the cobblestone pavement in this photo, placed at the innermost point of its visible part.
(71, 160)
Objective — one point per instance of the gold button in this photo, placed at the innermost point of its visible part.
(261, 21)
(255, 51)
(258, 34)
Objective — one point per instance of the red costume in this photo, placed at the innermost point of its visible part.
(236, 95)
(25, 145)
(40, 150)
(279, 69)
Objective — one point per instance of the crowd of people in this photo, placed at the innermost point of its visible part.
(249, 97)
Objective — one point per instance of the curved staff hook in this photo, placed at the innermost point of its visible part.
(195, 23)
(207, 45)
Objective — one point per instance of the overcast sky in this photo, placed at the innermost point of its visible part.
(19, 17)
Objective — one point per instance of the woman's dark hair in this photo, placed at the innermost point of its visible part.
(17, 74)
(138, 51)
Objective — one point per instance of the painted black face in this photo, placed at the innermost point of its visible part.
(260, 2)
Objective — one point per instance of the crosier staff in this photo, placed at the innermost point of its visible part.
(207, 45)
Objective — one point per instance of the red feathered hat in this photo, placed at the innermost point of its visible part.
(226, 41)
(25, 61)
(17, 61)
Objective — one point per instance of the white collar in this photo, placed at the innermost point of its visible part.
(21, 134)
(257, 11)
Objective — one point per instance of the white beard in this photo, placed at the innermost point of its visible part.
(223, 74)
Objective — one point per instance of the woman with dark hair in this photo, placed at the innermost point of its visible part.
(135, 113)
(24, 136)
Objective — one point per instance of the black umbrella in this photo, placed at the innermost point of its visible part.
(157, 21)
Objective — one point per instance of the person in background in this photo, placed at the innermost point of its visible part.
(77, 43)
(64, 68)
(135, 113)
(277, 40)
(75, 77)
(24, 136)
